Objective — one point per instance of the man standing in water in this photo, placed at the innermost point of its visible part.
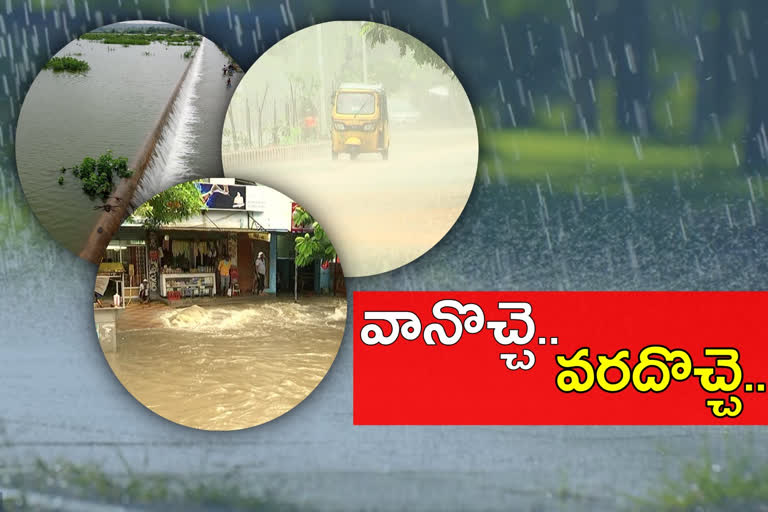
(261, 273)
(224, 265)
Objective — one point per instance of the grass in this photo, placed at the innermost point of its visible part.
(740, 484)
(127, 39)
(596, 165)
(67, 64)
(164, 492)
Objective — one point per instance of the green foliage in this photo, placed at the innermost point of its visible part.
(172, 205)
(127, 38)
(596, 165)
(68, 64)
(158, 491)
(98, 174)
(736, 484)
(93, 36)
(377, 34)
(188, 54)
(311, 247)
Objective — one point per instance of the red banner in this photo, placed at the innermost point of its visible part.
(560, 358)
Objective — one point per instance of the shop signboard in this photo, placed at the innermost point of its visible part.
(259, 236)
(217, 196)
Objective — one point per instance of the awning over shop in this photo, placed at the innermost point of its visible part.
(204, 233)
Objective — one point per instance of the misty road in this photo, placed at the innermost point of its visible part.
(399, 208)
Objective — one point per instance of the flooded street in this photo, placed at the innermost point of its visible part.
(419, 193)
(228, 367)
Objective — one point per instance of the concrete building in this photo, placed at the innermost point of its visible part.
(240, 221)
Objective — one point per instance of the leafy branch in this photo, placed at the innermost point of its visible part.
(314, 246)
(377, 34)
(172, 205)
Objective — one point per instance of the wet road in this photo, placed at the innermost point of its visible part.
(228, 367)
(59, 396)
(381, 214)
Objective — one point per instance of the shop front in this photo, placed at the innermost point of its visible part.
(126, 258)
(187, 263)
(190, 263)
(183, 260)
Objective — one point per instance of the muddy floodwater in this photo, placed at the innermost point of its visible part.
(232, 366)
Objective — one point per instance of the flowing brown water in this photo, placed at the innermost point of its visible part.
(234, 366)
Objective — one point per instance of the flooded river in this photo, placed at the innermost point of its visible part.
(114, 106)
(229, 367)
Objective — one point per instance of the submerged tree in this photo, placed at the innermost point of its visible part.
(69, 64)
(177, 203)
(98, 174)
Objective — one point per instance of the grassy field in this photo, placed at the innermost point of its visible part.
(737, 483)
(601, 165)
(87, 482)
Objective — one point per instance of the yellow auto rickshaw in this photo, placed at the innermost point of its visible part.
(359, 121)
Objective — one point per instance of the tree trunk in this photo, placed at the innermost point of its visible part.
(585, 88)
(294, 118)
(261, 110)
(258, 126)
(755, 150)
(248, 121)
(295, 281)
(631, 54)
(712, 70)
(231, 116)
